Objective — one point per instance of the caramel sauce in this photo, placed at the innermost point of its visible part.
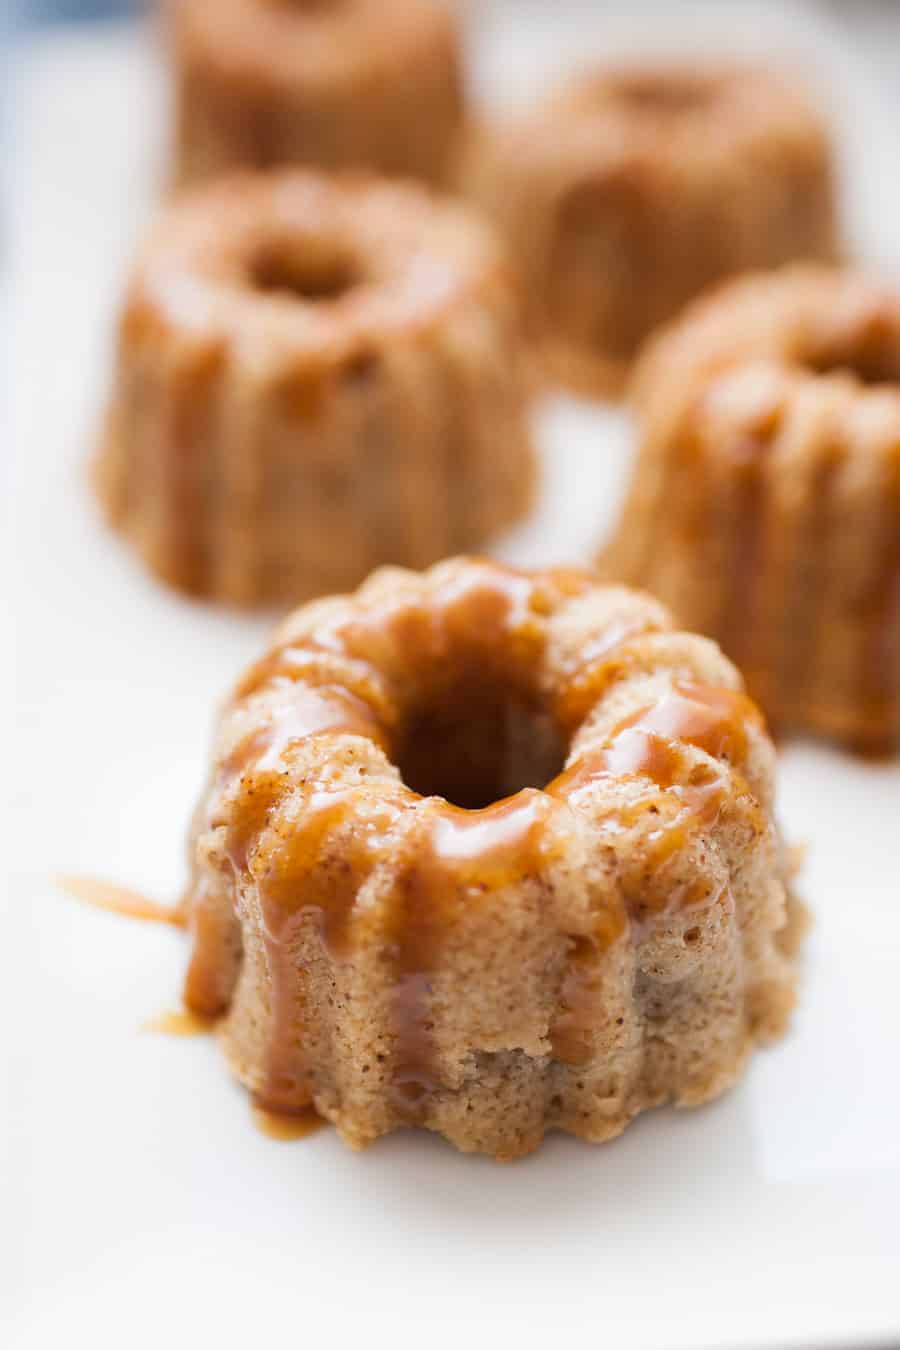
(464, 857)
(286, 1126)
(260, 793)
(311, 712)
(713, 720)
(648, 744)
(259, 758)
(601, 664)
(316, 867)
(308, 661)
(483, 617)
(326, 857)
(119, 900)
(180, 1022)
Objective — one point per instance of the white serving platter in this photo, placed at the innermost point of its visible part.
(142, 1206)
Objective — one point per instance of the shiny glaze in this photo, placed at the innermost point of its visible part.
(305, 848)
(648, 744)
(601, 663)
(307, 894)
(713, 720)
(462, 859)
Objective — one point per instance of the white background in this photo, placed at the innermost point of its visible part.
(143, 1207)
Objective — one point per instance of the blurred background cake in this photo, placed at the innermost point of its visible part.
(629, 189)
(334, 83)
(314, 376)
(765, 502)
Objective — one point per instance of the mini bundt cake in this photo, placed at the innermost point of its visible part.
(336, 83)
(315, 376)
(765, 503)
(489, 852)
(632, 189)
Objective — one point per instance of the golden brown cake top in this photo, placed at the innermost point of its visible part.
(815, 320)
(307, 42)
(665, 115)
(299, 266)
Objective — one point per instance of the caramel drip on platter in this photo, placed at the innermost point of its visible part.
(180, 1022)
(465, 856)
(119, 900)
(287, 1126)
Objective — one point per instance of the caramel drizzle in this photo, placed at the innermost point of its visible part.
(309, 661)
(464, 855)
(602, 663)
(302, 875)
(649, 744)
(119, 900)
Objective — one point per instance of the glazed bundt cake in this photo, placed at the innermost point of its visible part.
(314, 376)
(765, 503)
(489, 852)
(632, 189)
(333, 83)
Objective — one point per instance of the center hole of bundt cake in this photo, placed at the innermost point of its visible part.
(868, 365)
(476, 745)
(664, 95)
(308, 273)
